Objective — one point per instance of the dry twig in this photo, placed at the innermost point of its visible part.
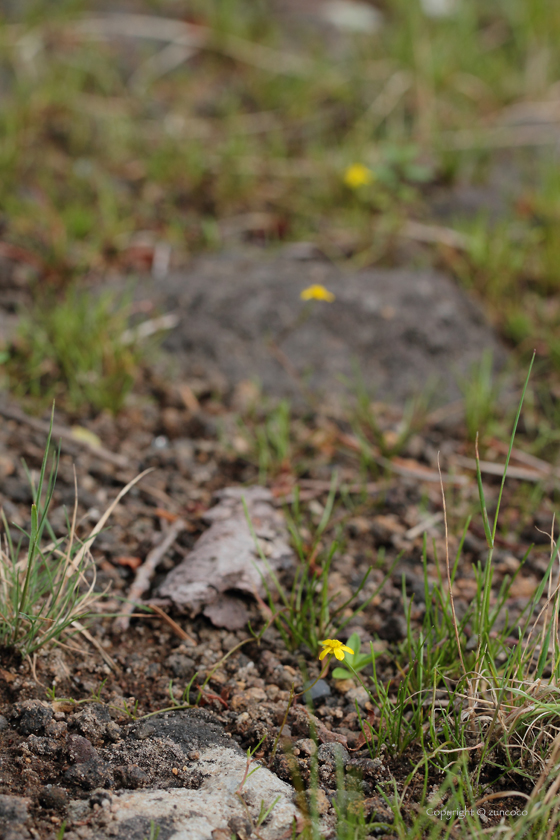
(145, 573)
(490, 468)
(190, 38)
(64, 433)
(435, 234)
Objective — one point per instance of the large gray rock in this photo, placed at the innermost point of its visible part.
(213, 809)
(179, 772)
(403, 329)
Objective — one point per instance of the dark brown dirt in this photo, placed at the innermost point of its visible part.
(54, 750)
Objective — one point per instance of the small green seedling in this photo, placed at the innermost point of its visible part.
(356, 660)
(154, 831)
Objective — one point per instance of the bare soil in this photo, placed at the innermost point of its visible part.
(193, 454)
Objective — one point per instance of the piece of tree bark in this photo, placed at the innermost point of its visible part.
(226, 563)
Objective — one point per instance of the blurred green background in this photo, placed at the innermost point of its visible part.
(395, 133)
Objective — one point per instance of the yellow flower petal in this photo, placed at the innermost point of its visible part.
(317, 292)
(333, 646)
(357, 176)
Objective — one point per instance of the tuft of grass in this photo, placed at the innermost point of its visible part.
(272, 441)
(481, 392)
(370, 428)
(478, 695)
(45, 590)
(474, 706)
(72, 347)
(306, 610)
(48, 590)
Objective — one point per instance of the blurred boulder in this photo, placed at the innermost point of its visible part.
(404, 330)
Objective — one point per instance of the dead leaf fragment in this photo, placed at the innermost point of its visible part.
(227, 612)
(131, 562)
(85, 436)
(226, 561)
(63, 706)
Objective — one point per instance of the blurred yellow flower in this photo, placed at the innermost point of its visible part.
(317, 292)
(334, 646)
(358, 175)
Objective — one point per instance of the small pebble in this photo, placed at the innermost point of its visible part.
(358, 695)
(322, 802)
(307, 746)
(332, 753)
(316, 692)
(342, 686)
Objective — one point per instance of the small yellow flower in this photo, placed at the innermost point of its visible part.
(334, 646)
(317, 292)
(358, 175)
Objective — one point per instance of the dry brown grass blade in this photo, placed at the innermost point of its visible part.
(435, 234)
(193, 36)
(145, 573)
(177, 629)
(491, 468)
(65, 434)
(385, 102)
(93, 641)
(98, 527)
(448, 569)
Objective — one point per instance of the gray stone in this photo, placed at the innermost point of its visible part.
(178, 771)
(14, 831)
(89, 771)
(53, 798)
(181, 666)
(113, 731)
(394, 629)
(358, 695)
(131, 777)
(318, 691)
(194, 814)
(13, 814)
(89, 775)
(78, 810)
(92, 722)
(307, 746)
(40, 745)
(32, 716)
(332, 753)
(3, 723)
(190, 730)
(403, 327)
(80, 749)
(13, 808)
